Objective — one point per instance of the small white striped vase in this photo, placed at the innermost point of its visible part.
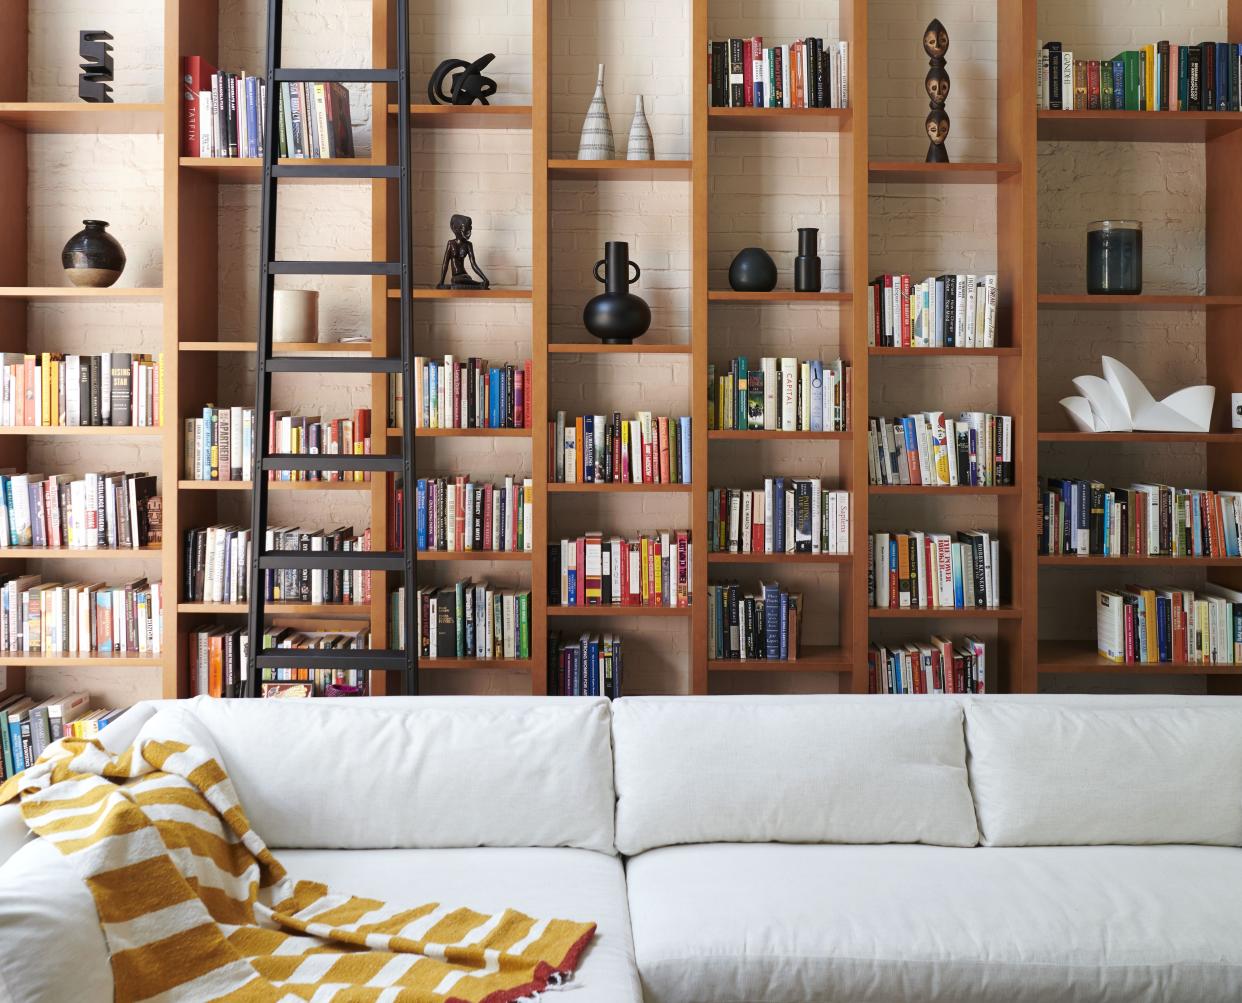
(596, 142)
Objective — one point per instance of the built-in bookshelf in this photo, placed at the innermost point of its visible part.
(194, 353)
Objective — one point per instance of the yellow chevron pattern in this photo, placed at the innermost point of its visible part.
(195, 908)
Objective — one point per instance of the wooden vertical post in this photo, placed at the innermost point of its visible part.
(699, 344)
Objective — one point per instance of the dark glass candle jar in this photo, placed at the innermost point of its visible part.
(1115, 257)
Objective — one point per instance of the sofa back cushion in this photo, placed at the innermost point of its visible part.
(1047, 775)
(818, 770)
(419, 773)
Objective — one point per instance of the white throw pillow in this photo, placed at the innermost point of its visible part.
(818, 770)
(1053, 776)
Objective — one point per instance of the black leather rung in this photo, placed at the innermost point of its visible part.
(335, 76)
(331, 364)
(333, 462)
(342, 172)
(333, 560)
(330, 658)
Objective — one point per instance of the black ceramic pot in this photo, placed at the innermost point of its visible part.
(753, 271)
(93, 258)
(616, 316)
(807, 265)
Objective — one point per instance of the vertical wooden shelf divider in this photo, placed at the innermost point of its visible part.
(541, 278)
(699, 344)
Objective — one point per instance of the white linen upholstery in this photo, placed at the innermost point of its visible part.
(13, 831)
(403, 773)
(52, 950)
(815, 770)
(1058, 775)
(895, 924)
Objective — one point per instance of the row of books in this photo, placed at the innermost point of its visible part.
(596, 449)
(1141, 624)
(291, 434)
(918, 570)
(587, 666)
(942, 311)
(467, 619)
(219, 663)
(223, 115)
(51, 390)
(807, 73)
(927, 448)
(463, 515)
(91, 512)
(1144, 520)
(594, 570)
(219, 446)
(452, 393)
(936, 666)
(785, 395)
(217, 566)
(1161, 76)
(764, 624)
(47, 618)
(789, 516)
(28, 726)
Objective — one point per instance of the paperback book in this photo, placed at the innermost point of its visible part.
(461, 515)
(788, 516)
(470, 393)
(1148, 625)
(806, 73)
(29, 725)
(594, 570)
(919, 570)
(53, 390)
(935, 666)
(93, 511)
(598, 449)
(930, 449)
(466, 620)
(942, 311)
(785, 395)
(61, 618)
(764, 624)
(589, 665)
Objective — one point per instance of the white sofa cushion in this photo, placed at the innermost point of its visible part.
(397, 772)
(1061, 775)
(42, 903)
(815, 770)
(892, 924)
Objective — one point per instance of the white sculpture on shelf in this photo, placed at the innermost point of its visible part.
(1121, 403)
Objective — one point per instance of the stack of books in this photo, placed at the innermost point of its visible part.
(808, 73)
(51, 390)
(917, 570)
(597, 449)
(927, 448)
(220, 445)
(937, 666)
(1140, 624)
(218, 661)
(467, 619)
(587, 666)
(761, 625)
(463, 515)
(1157, 77)
(28, 726)
(594, 570)
(1144, 520)
(942, 311)
(53, 618)
(451, 393)
(92, 512)
(785, 395)
(288, 682)
(789, 516)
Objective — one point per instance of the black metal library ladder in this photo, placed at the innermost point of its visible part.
(405, 661)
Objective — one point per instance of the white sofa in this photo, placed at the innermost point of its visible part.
(746, 850)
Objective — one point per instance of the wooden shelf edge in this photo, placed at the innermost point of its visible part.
(955, 613)
(725, 557)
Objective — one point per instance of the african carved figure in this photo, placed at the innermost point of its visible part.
(457, 252)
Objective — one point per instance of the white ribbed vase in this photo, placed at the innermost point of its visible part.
(640, 146)
(596, 142)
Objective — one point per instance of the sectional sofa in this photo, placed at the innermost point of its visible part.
(744, 850)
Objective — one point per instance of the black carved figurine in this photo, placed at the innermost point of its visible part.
(97, 67)
(936, 44)
(468, 86)
(456, 253)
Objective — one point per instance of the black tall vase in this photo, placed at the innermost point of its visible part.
(808, 270)
(616, 316)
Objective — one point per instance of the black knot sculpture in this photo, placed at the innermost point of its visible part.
(468, 86)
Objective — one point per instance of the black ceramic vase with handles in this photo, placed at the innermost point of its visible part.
(616, 316)
(807, 265)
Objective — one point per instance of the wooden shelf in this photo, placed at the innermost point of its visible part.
(70, 117)
(524, 556)
(493, 664)
(620, 170)
(939, 612)
(84, 431)
(722, 557)
(73, 661)
(1143, 301)
(919, 173)
(249, 170)
(73, 294)
(1063, 657)
(1104, 438)
(573, 611)
(606, 488)
(431, 293)
(778, 119)
(343, 611)
(1133, 561)
(1137, 126)
(284, 347)
(598, 348)
(465, 433)
(492, 116)
(775, 435)
(877, 351)
(80, 553)
(923, 489)
(278, 485)
(812, 658)
(776, 296)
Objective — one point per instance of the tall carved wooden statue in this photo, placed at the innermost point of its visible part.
(936, 44)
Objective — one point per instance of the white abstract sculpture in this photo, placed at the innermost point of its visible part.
(1120, 403)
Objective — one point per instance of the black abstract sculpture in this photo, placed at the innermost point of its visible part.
(458, 251)
(97, 67)
(468, 86)
(936, 44)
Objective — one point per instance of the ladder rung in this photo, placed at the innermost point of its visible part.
(335, 76)
(344, 172)
(333, 462)
(329, 364)
(333, 560)
(334, 267)
(330, 658)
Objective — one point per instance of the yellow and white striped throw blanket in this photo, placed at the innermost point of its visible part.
(194, 907)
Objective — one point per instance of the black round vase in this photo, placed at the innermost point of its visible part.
(616, 316)
(808, 268)
(753, 271)
(93, 258)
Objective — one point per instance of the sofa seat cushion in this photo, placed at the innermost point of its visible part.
(729, 923)
(43, 902)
